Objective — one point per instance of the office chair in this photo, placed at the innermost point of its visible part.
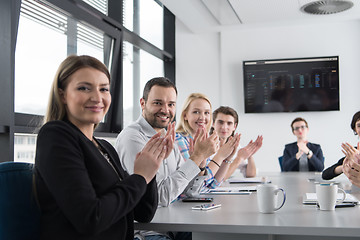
(280, 163)
(19, 211)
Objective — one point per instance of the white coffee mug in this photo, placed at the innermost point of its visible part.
(267, 198)
(326, 194)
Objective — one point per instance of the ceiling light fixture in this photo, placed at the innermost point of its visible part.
(327, 7)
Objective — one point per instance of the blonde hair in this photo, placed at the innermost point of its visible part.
(56, 108)
(184, 126)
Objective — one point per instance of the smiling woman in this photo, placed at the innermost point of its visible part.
(82, 189)
(87, 98)
(337, 168)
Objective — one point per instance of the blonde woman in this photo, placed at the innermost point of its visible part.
(197, 114)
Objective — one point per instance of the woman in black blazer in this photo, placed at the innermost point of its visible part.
(82, 189)
(302, 155)
(337, 169)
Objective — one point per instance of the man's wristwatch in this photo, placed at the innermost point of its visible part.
(228, 161)
(309, 153)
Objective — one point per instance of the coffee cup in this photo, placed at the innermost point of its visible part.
(267, 197)
(326, 194)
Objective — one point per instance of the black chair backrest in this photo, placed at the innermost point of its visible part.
(280, 163)
(19, 211)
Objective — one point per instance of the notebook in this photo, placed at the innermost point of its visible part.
(310, 198)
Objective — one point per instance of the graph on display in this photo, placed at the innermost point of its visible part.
(291, 85)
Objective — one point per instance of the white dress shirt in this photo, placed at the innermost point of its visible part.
(174, 174)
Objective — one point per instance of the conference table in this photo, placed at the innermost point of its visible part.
(239, 218)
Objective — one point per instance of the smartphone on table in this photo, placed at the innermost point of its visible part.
(191, 199)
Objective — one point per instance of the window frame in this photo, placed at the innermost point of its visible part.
(14, 122)
(113, 124)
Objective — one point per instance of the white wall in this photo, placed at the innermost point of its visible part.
(197, 62)
(212, 64)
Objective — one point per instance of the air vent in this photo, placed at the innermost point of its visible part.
(327, 7)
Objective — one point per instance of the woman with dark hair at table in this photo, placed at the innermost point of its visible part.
(302, 155)
(83, 191)
(337, 169)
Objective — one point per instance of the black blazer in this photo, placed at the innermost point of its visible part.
(81, 195)
(329, 173)
(290, 163)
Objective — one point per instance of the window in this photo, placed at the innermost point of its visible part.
(139, 67)
(36, 60)
(24, 147)
(145, 18)
(50, 30)
(35, 49)
(100, 5)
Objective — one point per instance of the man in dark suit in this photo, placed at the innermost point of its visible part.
(302, 155)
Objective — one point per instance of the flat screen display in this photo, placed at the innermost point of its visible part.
(291, 85)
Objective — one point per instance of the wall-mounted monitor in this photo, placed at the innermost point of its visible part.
(291, 85)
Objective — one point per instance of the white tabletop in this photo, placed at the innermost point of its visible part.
(239, 214)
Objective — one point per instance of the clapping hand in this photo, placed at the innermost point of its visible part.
(250, 149)
(351, 166)
(170, 137)
(148, 161)
(228, 150)
(302, 146)
(302, 149)
(258, 144)
(203, 145)
(350, 152)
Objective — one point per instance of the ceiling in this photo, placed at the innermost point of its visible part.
(202, 16)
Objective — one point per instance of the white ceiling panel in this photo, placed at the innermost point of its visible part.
(222, 11)
(262, 11)
(255, 11)
(216, 15)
